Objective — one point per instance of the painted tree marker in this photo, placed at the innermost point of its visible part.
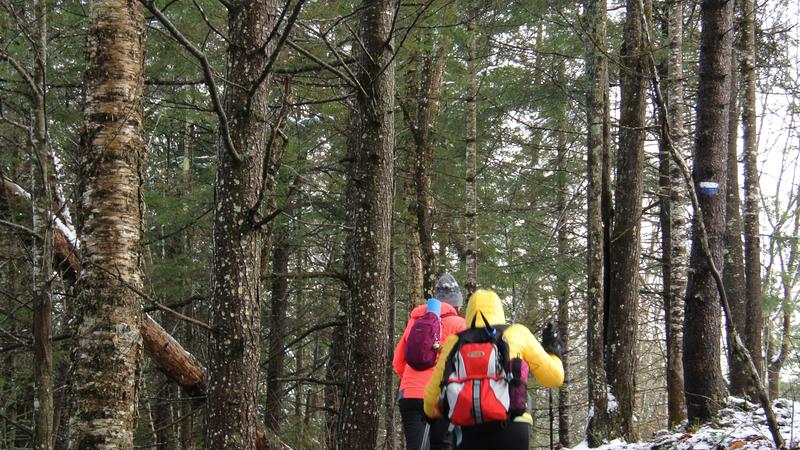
(709, 187)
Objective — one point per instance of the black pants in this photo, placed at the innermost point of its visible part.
(512, 436)
(413, 416)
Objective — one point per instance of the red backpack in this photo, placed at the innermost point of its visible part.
(424, 340)
(479, 379)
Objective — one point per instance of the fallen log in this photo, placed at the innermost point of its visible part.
(167, 354)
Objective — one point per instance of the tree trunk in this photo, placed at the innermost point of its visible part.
(421, 109)
(427, 112)
(371, 149)
(752, 240)
(788, 281)
(413, 255)
(625, 249)
(234, 310)
(273, 407)
(106, 361)
(734, 278)
(776, 363)
(563, 291)
(9, 370)
(333, 393)
(701, 351)
(43, 430)
(598, 429)
(674, 219)
(471, 140)
(390, 388)
(163, 417)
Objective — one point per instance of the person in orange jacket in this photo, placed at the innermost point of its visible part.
(412, 381)
(485, 306)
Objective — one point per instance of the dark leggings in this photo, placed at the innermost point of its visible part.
(513, 436)
(411, 412)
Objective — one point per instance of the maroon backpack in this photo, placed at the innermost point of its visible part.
(424, 341)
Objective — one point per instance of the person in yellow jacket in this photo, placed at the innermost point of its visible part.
(485, 306)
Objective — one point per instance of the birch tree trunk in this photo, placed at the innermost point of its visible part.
(625, 249)
(598, 429)
(370, 192)
(234, 310)
(752, 240)
(674, 219)
(106, 361)
(701, 351)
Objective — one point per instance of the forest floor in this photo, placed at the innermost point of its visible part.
(741, 425)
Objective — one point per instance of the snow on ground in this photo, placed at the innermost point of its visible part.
(741, 425)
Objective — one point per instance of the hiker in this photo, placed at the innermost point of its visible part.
(501, 419)
(448, 301)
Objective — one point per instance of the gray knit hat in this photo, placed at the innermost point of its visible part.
(447, 290)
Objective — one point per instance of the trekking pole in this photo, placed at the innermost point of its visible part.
(550, 406)
(426, 436)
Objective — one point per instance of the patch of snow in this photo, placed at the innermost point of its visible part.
(740, 425)
(612, 403)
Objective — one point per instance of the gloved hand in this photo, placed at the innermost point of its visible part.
(551, 340)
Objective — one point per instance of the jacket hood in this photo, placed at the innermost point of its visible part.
(488, 303)
(420, 310)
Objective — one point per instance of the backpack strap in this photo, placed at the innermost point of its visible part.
(516, 371)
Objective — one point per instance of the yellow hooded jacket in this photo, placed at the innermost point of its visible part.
(547, 368)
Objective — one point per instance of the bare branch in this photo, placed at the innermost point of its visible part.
(17, 425)
(20, 228)
(207, 73)
(346, 67)
(281, 41)
(323, 64)
(208, 22)
(10, 121)
(156, 303)
(21, 71)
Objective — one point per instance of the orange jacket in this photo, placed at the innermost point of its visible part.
(412, 382)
